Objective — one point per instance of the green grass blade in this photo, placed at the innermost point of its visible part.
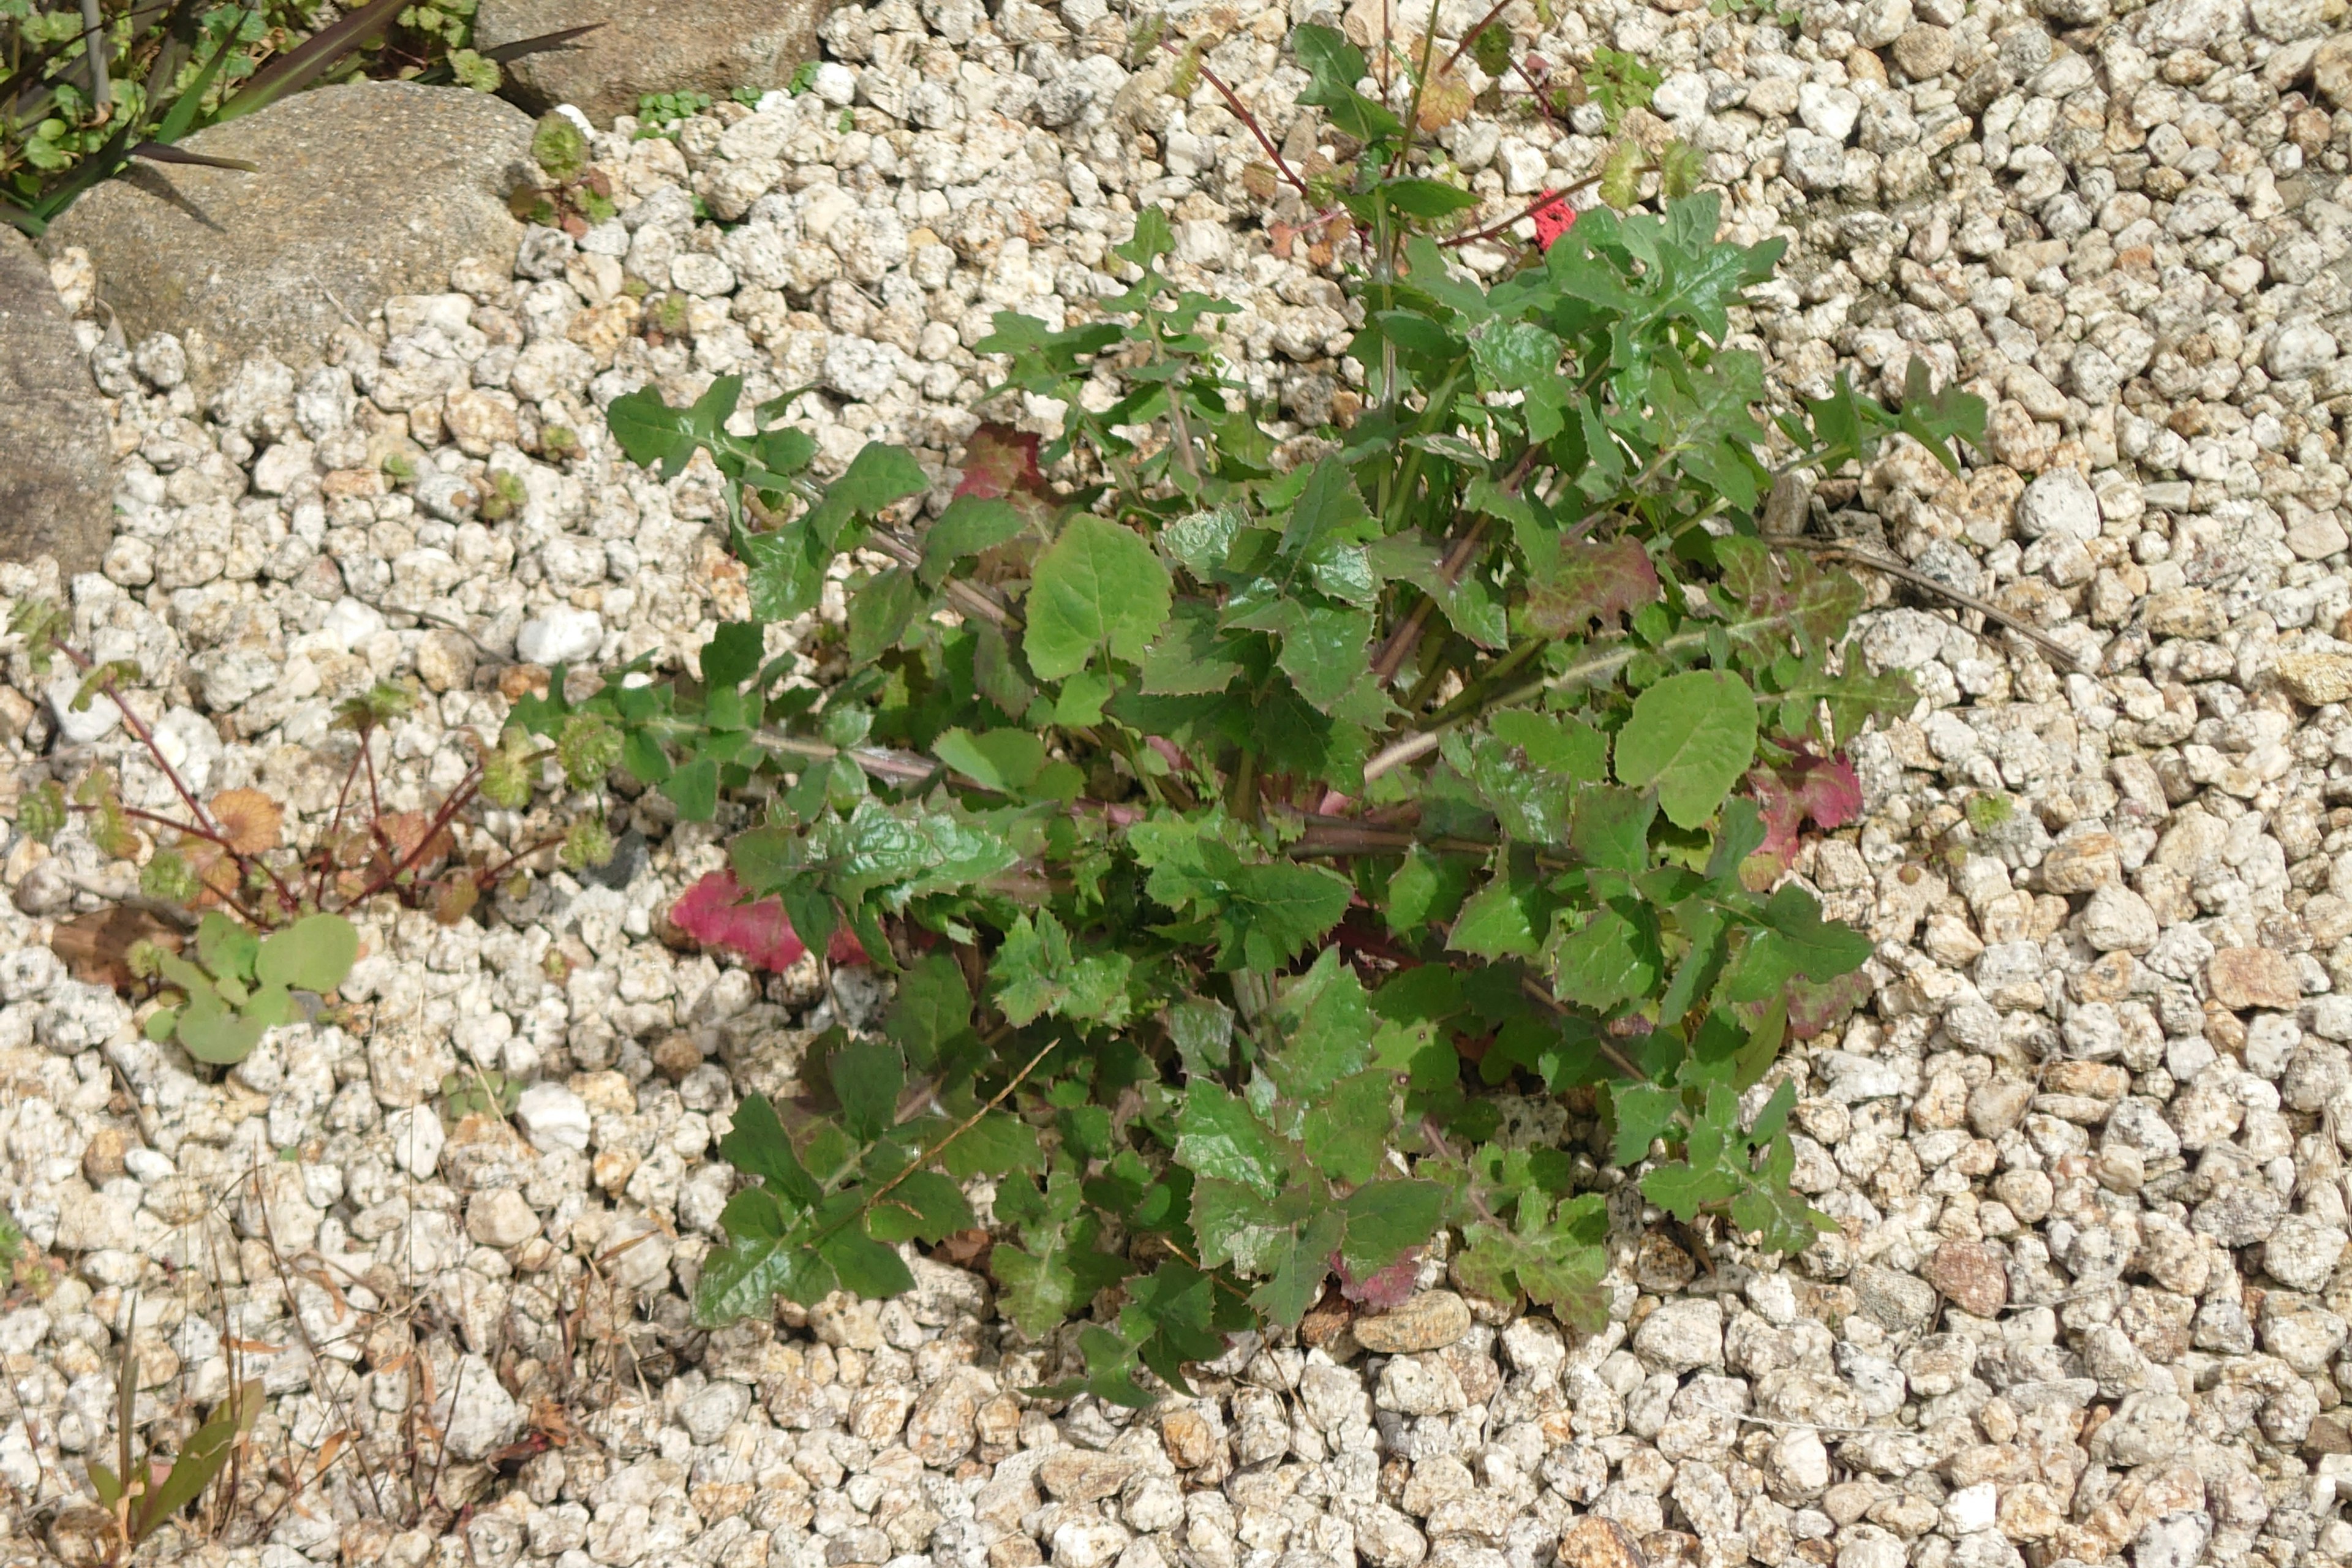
(206, 1453)
(182, 117)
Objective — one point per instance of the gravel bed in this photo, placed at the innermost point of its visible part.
(2089, 1300)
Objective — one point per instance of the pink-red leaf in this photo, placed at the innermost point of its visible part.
(1592, 581)
(712, 913)
(1817, 1006)
(1823, 790)
(999, 460)
(1383, 1287)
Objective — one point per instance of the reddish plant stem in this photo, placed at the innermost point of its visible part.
(205, 828)
(1535, 87)
(1400, 641)
(450, 807)
(367, 755)
(1471, 36)
(1601, 1048)
(335, 823)
(1242, 112)
(490, 874)
(176, 825)
(1548, 199)
(145, 736)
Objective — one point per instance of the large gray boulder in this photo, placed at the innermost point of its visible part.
(648, 46)
(56, 477)
(364, 191)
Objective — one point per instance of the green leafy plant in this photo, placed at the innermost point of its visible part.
(661, 114)
(1617, 83)
(1988, 809)
(482, 1092)
(576, 196)
(1235, 816)
(143, 1491)
(242, 985)
(77, 106)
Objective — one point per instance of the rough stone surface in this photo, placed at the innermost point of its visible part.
(234, 263)
(55, 465)
(2254, 978)
(1431, 1321)
(1972, 1275)
(650, 46)
(1593, 1541)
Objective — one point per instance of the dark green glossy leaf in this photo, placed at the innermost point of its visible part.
(866, 1078)
(865, 1266)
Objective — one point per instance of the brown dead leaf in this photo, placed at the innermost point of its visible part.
(1327, 1320)
(96, 946)
(1443, 100)
(248, 819)
(552, 1421)
(454, 899)
(404, 836)
(963, 1248)
(212, 867)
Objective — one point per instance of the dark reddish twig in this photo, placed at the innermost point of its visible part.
(145, 736)
(1457, 560)
(367, 755)
(490, 874)
(1242, 112)
(458, 801)
(1535, 87)
(1607, 1052)
(1471, 36)
(1548, 199)
(1400, 641)
(326, 845)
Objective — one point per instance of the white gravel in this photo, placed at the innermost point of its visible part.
(2089, 1301)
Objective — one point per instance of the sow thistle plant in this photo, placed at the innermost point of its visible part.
(1233, 831)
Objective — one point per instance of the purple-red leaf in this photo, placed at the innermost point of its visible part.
(1383, 1287)
(1823, 790)
(1592, 581)
(999, 460)
(1817, 1006)
(713, 913)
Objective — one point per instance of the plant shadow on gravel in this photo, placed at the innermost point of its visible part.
(1235, 821)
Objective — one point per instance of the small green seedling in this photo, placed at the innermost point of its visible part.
(1990, 810)
(660, 113)
(502, 497)
(483, 1092)
(243, 984)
